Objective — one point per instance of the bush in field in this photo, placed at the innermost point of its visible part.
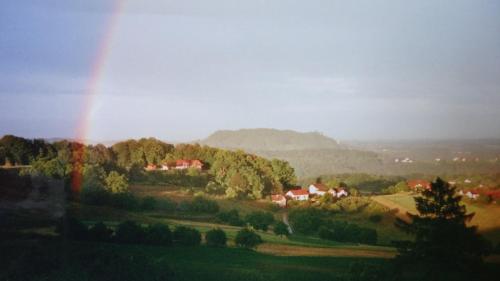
(129, 232)
(72, 229)
(231, 217)
(401, 186)
(124, 200)
(116, 183)
(214, 188)
(94, 196)
(345, 232)
(281, 229)
(148, 203)
(375, 218)
(247, 238)
(203, 205)
(216, 237)
(100, 232)
(306, 220)
(187, 236)
(260, 220)
(158, 234)
(166, 204)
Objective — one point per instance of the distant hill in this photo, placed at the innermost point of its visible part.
(309, 153)
(270, 140)
(313, 154)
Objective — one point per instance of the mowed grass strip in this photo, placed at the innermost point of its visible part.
(289, 250)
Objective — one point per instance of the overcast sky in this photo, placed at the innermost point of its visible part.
(179, 70)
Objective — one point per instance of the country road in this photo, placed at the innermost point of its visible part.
(285, 221)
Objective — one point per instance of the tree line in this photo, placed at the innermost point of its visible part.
(234, 174)
(130, 232)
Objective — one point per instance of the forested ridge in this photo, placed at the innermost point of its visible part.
(235, 174)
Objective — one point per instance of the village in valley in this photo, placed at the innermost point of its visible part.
(315, 191)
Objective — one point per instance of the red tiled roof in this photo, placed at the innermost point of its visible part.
(419, 183)
(299, 192)
(321, 187)
(277, 197)
(182, 162)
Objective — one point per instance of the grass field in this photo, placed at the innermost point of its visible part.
(199, 263)
(296, 244)
(487, 217)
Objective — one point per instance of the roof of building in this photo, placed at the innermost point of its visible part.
(418, 183)
(277, 197)
(320, 186)
(299, 192)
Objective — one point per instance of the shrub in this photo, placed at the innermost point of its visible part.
(124, 200)
(280, 228)
(72, 229)
(100, 232)
(158, 234)
(214, 188)
(216, 237)
(247, 238)
(231, 217)
(203, 205)
(260, 220)
(116, 183)
(305, 220)
(375, 218)
(345, 232)
(94, 196)
(166, 204)
(148, 203)
(399, 187)
(129, 232)
(187, 236)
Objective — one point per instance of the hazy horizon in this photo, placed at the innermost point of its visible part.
(179, 71)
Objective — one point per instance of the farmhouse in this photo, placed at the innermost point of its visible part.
(150, 167)
(298, 194)
(471, 194)
(318, 189)
(418, 184)
(338, 192)
(183, 164)
(167, 166)
(279, 199)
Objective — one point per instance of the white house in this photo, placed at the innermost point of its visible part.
(338, 192)
(278, 199)
(298, 194)
(318, 189)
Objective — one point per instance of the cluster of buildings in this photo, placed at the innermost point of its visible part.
(313, 191)
(404, 160)
(469, 193)
(181, 164)
(475, 193)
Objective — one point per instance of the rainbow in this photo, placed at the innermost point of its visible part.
(96, 72)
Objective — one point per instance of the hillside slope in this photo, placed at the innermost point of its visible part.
(310, 153)
(270, 140)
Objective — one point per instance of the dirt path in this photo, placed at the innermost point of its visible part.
(285, 221)
(289, 250)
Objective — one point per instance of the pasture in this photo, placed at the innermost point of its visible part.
(486, 216)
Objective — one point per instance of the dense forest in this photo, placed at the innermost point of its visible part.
(235, 174)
